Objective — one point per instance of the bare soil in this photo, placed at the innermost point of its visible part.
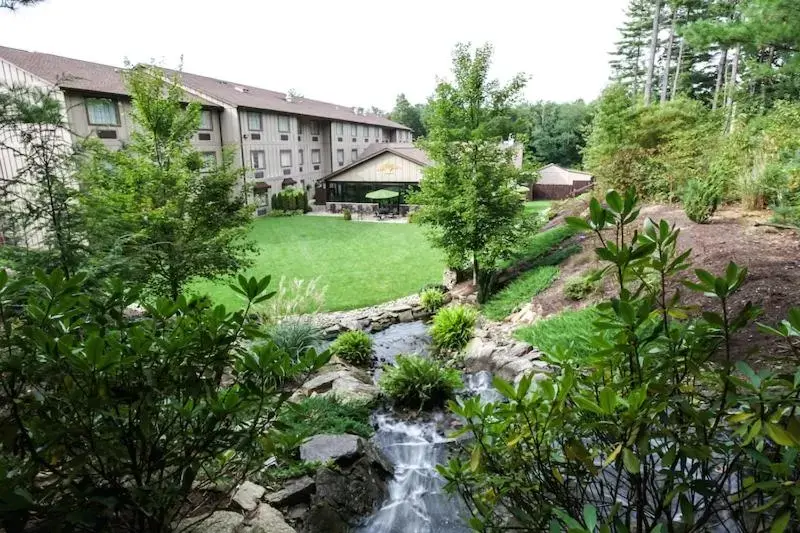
(771, 255)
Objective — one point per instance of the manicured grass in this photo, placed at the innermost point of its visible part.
(519, 291)
(540, 244)
(361, 263)
(536, 207)
(561, 330)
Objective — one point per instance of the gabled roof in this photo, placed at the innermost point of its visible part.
(406, 151)
(76, 75)
(569, 173)
(247, 96)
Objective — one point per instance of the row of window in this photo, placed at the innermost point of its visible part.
(105, 112)
(259, 162)
(255, 123)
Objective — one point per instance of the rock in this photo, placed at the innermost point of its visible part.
(323, 517)
(478, 355)
(293, 492)
(398, 308)
(218, 522)
(517, 367)
(350, 324)
(248, 494)
(407, 316)
(518, 349)
(338, 448)
(350, 389)
(267, 520)
(332, 331)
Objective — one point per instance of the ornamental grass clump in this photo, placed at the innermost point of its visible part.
(417, 382)
(453, 327)
(431, 299)
(354, 347)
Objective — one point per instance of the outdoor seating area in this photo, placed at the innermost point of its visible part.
(363, 211)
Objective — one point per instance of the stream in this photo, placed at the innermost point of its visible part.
(417, 502)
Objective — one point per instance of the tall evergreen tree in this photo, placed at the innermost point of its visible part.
(409, 115)
(628, 67)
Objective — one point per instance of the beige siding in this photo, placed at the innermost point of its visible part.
(553, 175)
(79, 120)
(12, 162)
(387, 168)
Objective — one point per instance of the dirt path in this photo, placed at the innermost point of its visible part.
(771, 256)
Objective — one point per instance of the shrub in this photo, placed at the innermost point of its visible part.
(130, 417)
(700, 200)
(291, 200)
(354, 347)
(316, 415)
(431, 299)
(278, 213)
(346, 214)
(295, 337)
(519, 291)
(567, 328)
(453, 327)
(419, 383)
(657, 409)
(579, 287)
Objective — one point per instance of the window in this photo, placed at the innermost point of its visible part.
(301, 157)
(286, 158)
(254, 121)
(353, 130)
(353, 154)
(340, 156)
(299, 128)
(339, 129)
(315, 157)
(257, 159)
(366, 132)
(102, 112)
(206, 122)
(314, 127)
(209, 160)
(283, 124)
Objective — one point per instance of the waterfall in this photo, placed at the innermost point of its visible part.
(417, 502)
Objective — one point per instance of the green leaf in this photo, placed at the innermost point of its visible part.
(780, 523)
(475, 459)
(779, 435)
(631, 462)
(614, 201)
(590, 516)
(608, 400)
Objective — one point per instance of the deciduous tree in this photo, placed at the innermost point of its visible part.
(468, 195)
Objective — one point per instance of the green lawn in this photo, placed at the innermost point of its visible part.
(570, 326)
(361, 263)
(536, 207)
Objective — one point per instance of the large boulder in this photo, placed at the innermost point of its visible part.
(267, 520)
(295, 491)
(248, 495)
(218, 522)
(337, 448)
(347, 494)
(347, 383)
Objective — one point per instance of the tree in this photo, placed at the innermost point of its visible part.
(14, 4)
(628, 66)
(468, 195)
(557, 132)
(409, 115)
(40, 223)
(156, 211)
(651, 55)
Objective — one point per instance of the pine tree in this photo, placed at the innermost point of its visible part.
(628, 66)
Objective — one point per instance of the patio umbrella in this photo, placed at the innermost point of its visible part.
(382, 194)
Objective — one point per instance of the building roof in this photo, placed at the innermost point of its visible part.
(247, 96)
(406, 151)
(78, 75)
(74, 74)
(568, 175)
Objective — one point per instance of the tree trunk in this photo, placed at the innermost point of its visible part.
(678, 70)
(721, 68)
(668, 61)
(730, 101)
(475, 270)
(651, 64)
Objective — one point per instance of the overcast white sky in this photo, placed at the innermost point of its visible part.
(351, 52)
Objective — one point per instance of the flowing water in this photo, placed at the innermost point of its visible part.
(416, 502)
